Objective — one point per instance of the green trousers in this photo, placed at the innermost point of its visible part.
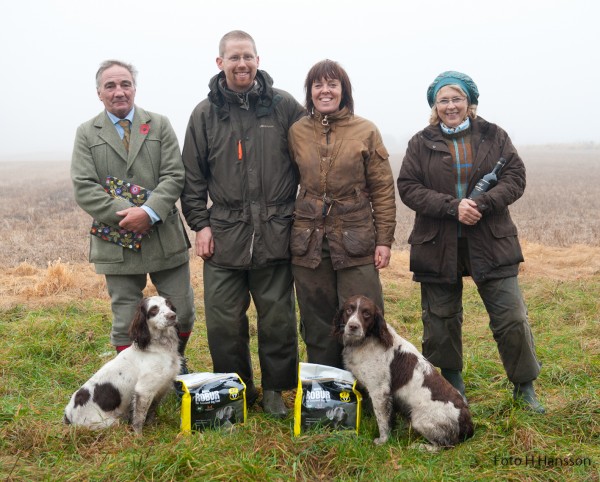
(443, 317)
(227, 295)
(126, 293)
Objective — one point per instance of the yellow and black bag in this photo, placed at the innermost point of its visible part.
(326, 397)
(211, 400)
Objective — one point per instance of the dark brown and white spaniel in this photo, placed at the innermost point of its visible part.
(132, 385)
(399, 378)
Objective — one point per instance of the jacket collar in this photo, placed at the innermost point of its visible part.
(108, 133)
(330, 121)
(481, 131)
(265, 96)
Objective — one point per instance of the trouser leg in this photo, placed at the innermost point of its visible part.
(125, 293)
(442, 315)
(175, 284)
(359, 280)
(316, 290)
(510, 326)
(272, 291)
(226, 301)
(321, 292)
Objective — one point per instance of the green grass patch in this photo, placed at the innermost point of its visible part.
(46, 354)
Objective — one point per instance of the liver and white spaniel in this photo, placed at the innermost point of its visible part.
(131, 385)
(399, 378)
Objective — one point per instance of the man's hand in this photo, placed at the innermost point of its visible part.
(205, 245)
(135, 219)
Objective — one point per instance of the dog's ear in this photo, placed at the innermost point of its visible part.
(139, 331)
(170, 305)
(380, 329)
(337, 330)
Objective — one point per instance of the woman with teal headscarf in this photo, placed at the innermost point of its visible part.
(457, 233)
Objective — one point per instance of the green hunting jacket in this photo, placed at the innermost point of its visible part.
(236, 152)
(154, 162)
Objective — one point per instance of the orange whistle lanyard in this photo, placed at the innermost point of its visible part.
(239, 150)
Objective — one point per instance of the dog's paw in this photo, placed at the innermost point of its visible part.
(432, 449)
(380, 440)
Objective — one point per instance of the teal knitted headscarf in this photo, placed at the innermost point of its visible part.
(452, 77)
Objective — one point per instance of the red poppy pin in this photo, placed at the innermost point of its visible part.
(144, 129)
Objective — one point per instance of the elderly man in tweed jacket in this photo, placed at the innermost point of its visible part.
(138, 147)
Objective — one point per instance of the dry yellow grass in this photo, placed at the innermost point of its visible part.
(44, 241)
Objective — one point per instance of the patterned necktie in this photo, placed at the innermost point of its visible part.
(127, 132)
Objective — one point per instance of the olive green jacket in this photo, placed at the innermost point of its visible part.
(154, 162)
(239, 158)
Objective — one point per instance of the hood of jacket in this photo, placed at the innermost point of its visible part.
(265, 96)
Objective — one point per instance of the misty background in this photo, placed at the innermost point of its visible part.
(536, 63)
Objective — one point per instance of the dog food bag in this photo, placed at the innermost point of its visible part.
(211, 400)
(326, 397)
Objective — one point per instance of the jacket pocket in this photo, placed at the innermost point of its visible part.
(300, 237)
(358, 235)
(172, 235)
(233, 243)
(277, 236)
(503, 248)
(502, 225)
(104, 252)
(426, 251)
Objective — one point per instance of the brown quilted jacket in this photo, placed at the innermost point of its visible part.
(346, 190)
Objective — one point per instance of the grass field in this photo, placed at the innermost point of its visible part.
(55, 319)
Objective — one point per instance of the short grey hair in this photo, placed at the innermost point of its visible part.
(107, 64)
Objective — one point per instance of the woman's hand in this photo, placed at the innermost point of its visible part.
(382, 256)
(468, 212)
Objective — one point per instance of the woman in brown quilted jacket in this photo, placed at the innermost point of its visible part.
(345, 211)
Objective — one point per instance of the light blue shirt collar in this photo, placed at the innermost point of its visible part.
(115, 120)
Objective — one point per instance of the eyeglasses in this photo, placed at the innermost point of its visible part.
(454, 100)
(237, 58)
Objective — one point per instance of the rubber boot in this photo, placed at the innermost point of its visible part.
(272, 404)
(251, 394)
(181, 350)
(525, 393)
(455, 379)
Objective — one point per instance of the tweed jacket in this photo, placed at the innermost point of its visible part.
(427, 185)
(154, 162)
(347, 196)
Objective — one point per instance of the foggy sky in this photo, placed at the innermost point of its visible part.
(536, 63)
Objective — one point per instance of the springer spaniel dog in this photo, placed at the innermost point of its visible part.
(132, 385)
(399, 378)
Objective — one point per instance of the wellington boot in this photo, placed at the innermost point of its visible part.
(525, 393)
(455, 378)
(251, 395)
(184, 370)
(272, 404)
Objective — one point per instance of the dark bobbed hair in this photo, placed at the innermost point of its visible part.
(329, 70)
